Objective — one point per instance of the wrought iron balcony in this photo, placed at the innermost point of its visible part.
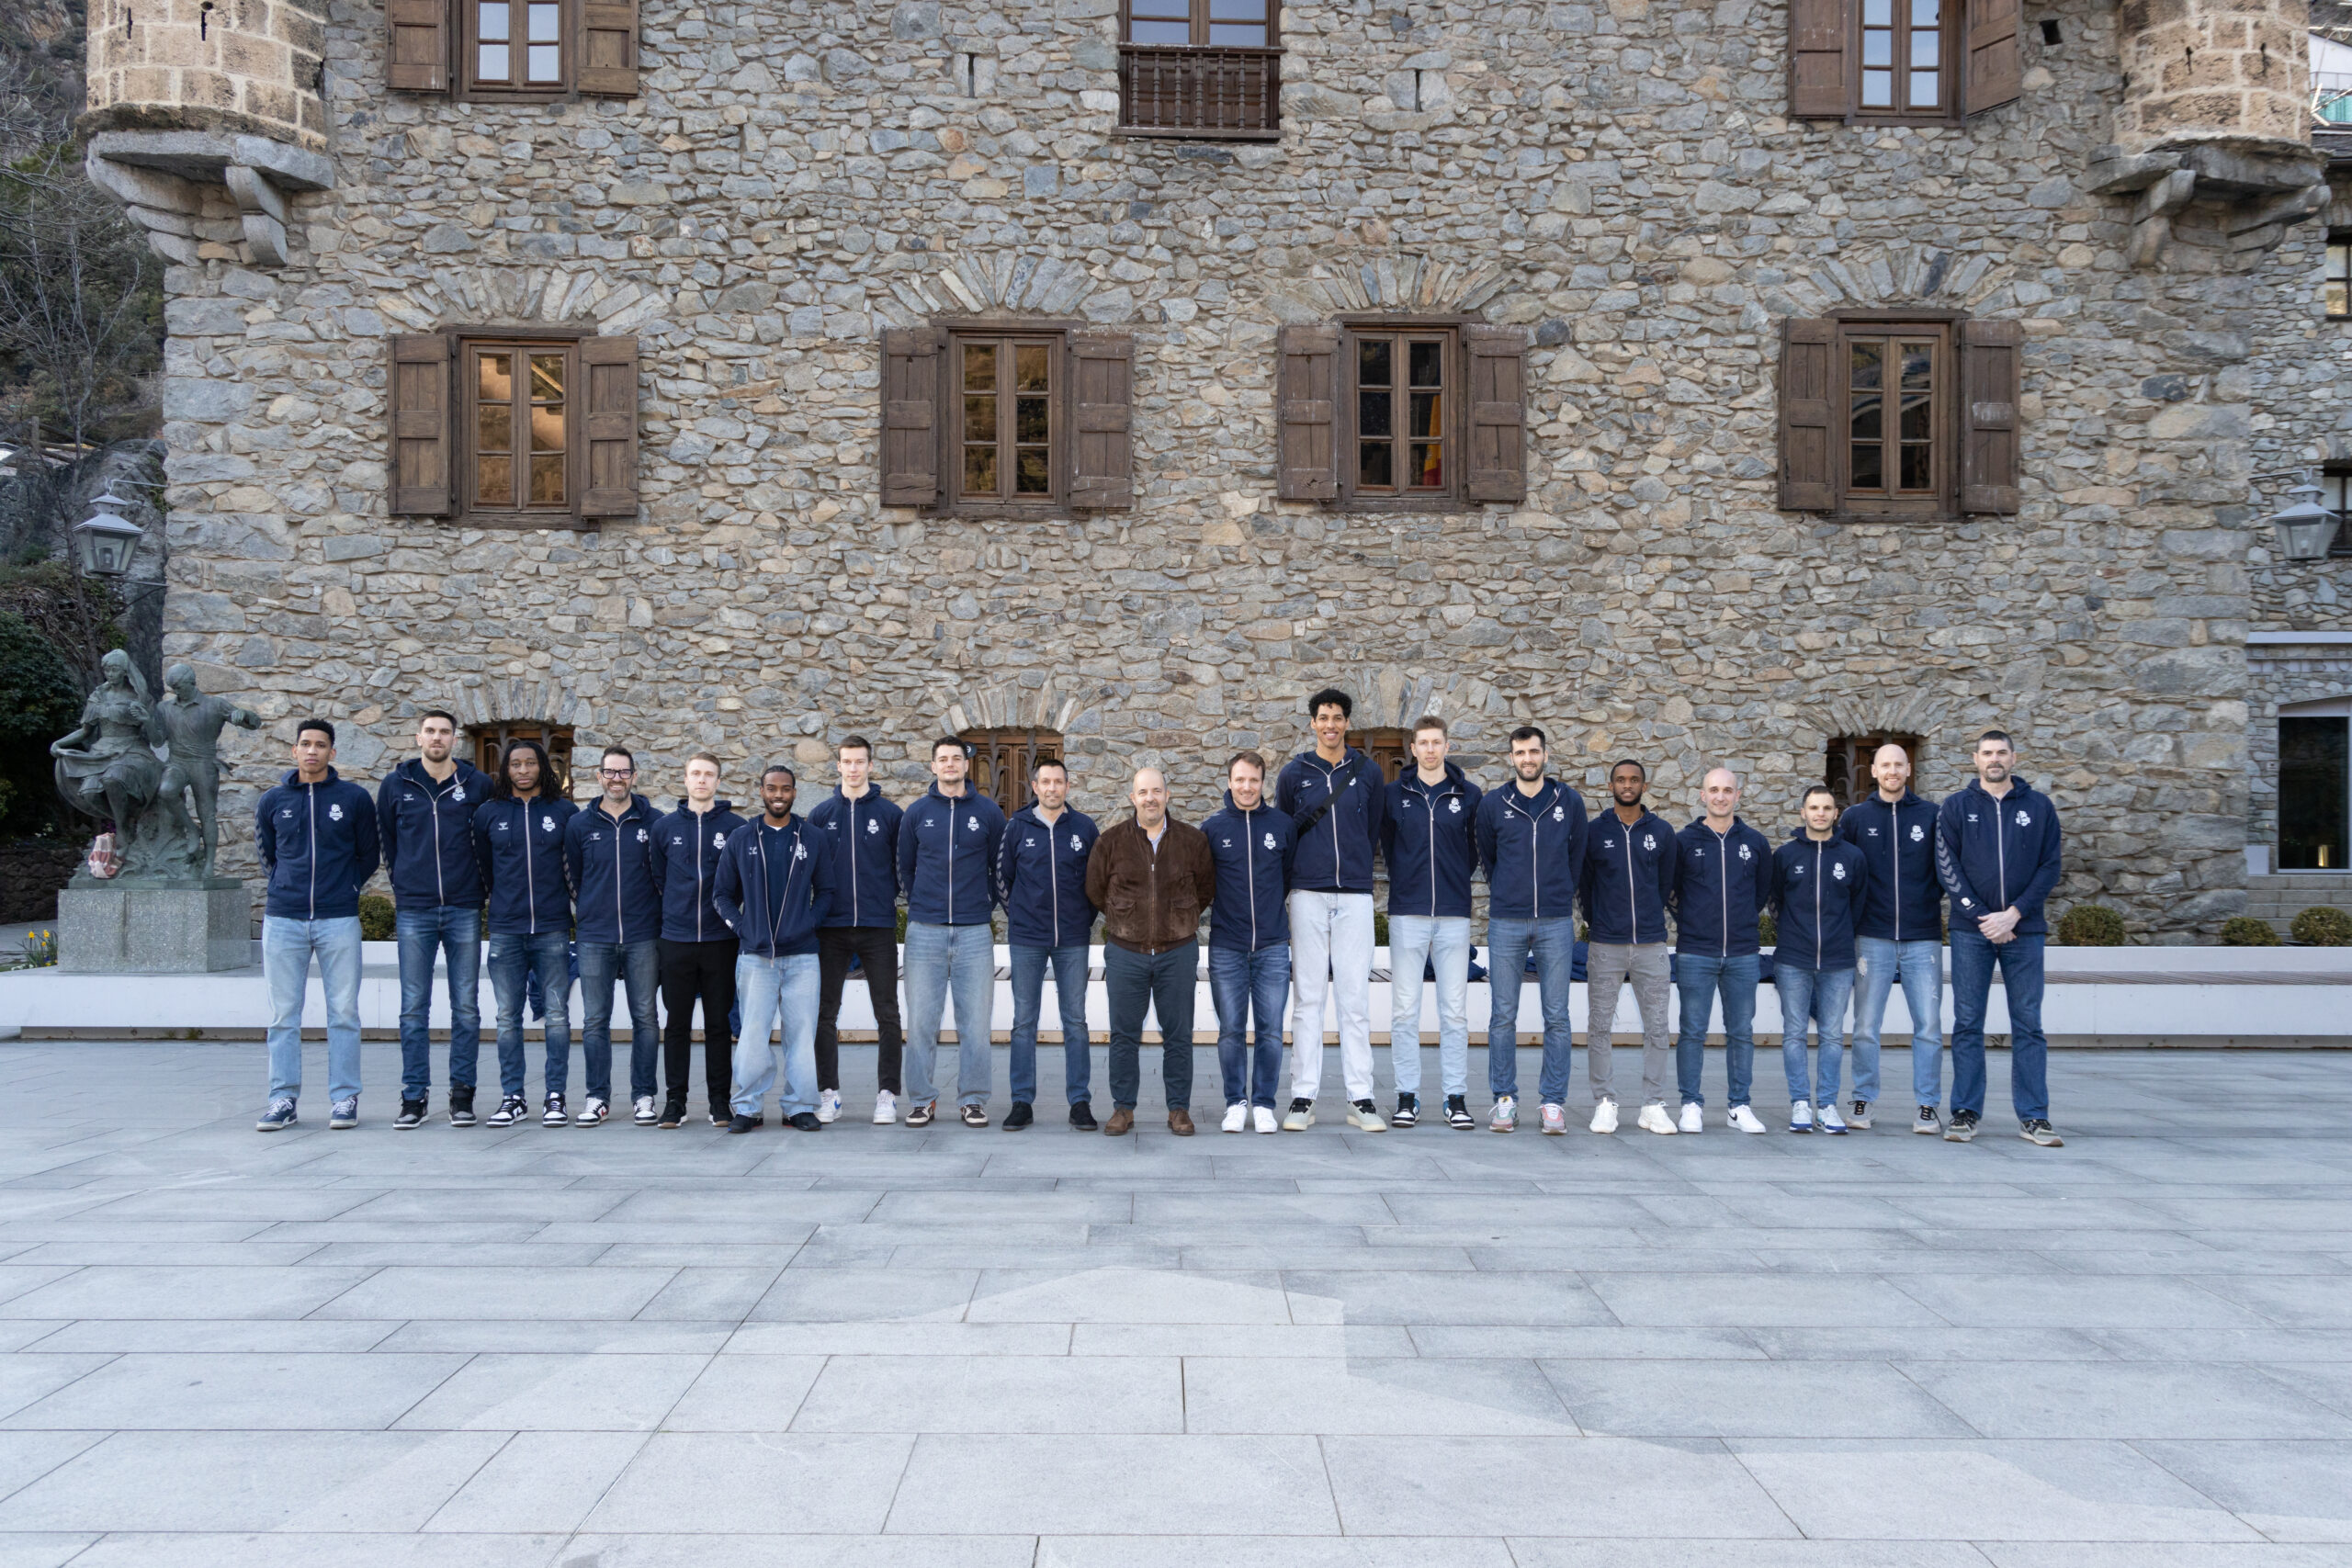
(1206, 93)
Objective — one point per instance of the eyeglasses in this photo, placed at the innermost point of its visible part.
(618, 772)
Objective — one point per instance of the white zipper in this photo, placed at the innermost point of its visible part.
(620, 927)
(433, 809)
(1817, 942)
(1895, 831)
(315, 849)
(1633, 903)
(1250, 870)
(951, 861)
(1431, 801)
(1054, 877)
(2001, 849)
(1534, 864)
(1723, 859)
(530, 877)
(697, 830)
(852, 862)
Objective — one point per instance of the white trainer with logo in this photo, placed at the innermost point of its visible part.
(1654, 1119)
(1604, 1116)
(1694, 1120)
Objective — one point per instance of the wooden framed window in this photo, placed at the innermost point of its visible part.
(1390, 750)
(2337, 287)
(1201, 68)
(1400, 394)
(1902, 61)
(1005, 759)
(1025, 420)
(491, 741)
(512, 50)
(508, 429)
(1848, 769)
(1390, 415)
(1884, 417)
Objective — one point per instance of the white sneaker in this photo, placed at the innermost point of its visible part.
(645, 1114)
(1801, 1116)
(1237, 1117)
(1604, 1116)
(1365, 1114)
(1654, 1119)
(1692, 1121)
(1742, 1119)
(1262, 1118)
(592, 1114)
(829, 1105)
(1505, 1116)
(1554, 1120)
(1829, 1121)
(886, 1109)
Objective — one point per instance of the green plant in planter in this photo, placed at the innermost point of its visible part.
(376, 922)
(2245, 931)
(2090, 925)
(1768, 929)
(2322, 925)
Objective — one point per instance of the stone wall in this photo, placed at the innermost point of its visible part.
(2210, 70)
(797, 177)
(246, 66)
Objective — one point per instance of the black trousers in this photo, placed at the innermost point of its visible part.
(877, 949)
(705, 970)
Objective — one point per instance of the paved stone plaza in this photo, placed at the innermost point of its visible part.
(624, 1347)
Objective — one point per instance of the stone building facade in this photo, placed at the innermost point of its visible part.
(755, 196)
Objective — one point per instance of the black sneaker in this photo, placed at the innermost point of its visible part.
(510, 1111)
(461, 1107)
(1081, 1117)
(1962, 1128)
(2037, 1130)
(672, 1113)
(720, 1113)
(412, 1116)
(1409, 1111)
(806, 1122)
(1457, 1113)
(1020, 1116)
(745, 1123)
(554, 1116)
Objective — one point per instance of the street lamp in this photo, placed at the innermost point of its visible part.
(2305, 528)
(105, 539)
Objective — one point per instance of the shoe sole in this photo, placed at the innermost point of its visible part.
(2051, 1142)
(271, 1126)
(1951, 1136)
(408, 1126)
(1405, 1121)
(341, 1126)
(1363, 1125)
(1928, 1129)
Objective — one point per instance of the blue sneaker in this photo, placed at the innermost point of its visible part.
(279, 1115)
(343, 1114)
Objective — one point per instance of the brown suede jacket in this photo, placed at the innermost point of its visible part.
(1150, 903)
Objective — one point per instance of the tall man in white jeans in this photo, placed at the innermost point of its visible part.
(1430, 839)
(1336, 798)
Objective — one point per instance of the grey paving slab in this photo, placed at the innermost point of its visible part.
(26, 1457)
(538, 1481)
(28, 1380)
(1119, 1485)
(346, 1549)
(558, 1336)
(1288, 1551)
(1276, 1341)
(1749, 1399)
(229, 1391)
(2285, 1303)
(835, 1295)
(1536, 1552)
(2143, 1555)
(43, 1550)
(1129, 1295)
(526, 1392)
(1755, 1300)
(501, 1291)
(887, 1338)
(2036, 1300)
(2124, 1399)
(1374, 1397)
(2288, 1491)
(748, 1393)
(727, 1482)
(797, 1550)
(139, 1291)
(1572, 1486)
(1520, 1300)
(1011, 1395)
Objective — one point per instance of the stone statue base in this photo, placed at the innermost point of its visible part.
(190, 928)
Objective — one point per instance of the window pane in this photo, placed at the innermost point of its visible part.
(980, 366)
(1923, 50)
(493, 62)
(547, 429)
(1180, 10)
(1029, 366)
(494, 428)
(1238, 10)
(979, 419)
(1160, 21)
(547, 480)
(1878, 89)
(1373, 414)
(1867, 411)
(1425, 415)
(546, 377)
(494, 480)
(1915, 468)
(1877, 48)
(1160, 32)
(1427, 363)
(1915, 417)
(979, 470)
(543, 22)
(1878, 13)
(545, 63)
(1373, 464)
(1372, 362)
(497, 377)
(494, 25)
(1028, 420)
(1868, 360)
(1429, 471)
(1237, 35)
(1924, 14)
(2339, 259)
(1918, 366)
(1867, 474)
(1923, 90)
(1030, 476)
(2312, 790)
(2339, 298)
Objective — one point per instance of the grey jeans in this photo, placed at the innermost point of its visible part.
(1607, 967)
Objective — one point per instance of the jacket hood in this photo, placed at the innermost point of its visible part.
(1737, 822)
(1314, 758)
(718, 803)
(2018, 785)
(1454, 778)
(293, 778)
(1263, 805)
(1508, 793)
(413, 770)
(1798, 837)
(638, 807)
(971, 792)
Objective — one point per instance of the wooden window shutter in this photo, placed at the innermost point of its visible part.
(1103, 375)
(609, 48)
(1497, 364)
(609, 371)
(420, 391)
(1989, 371)
(1306, 399)
(1996, 75)
(911, 372)
(1808, 395)
(417, 44)
(1820, 57)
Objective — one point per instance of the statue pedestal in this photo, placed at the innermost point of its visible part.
(194, 927)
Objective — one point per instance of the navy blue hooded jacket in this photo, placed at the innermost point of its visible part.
(776, 901)
(686, 847)
(610, 862)
(1628, 877)
(1990, 854)
(863, 834)
(1429, 835)
(1041, 877)
(1721, 885)
(1532, 848)
(1335, 854)
(1906, 903)
(948, 851)
(1252, 851)
(1817, 892)
(320, 845)
(427, 828)
(519, 846)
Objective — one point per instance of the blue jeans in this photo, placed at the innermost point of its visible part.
(1029, 1003)
(1164, 983)
(425, 935)
(1554, 942)
(514, 959)
(1241, 983)
(777, 991)
(286, 950)
(1973, 959)
(1701, 979)
(940, 959)
(1441, 944)
(1819, 997)
(1920, 966)
(639, 965)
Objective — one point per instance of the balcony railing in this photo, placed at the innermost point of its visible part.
(1230, 93)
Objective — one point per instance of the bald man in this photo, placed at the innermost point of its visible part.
(1721, 884)
(1901, 936)
(1151, 876)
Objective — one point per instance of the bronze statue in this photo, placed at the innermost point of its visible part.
(192, 724)
(134, 763)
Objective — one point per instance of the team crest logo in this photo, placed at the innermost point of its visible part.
(1649, 840)
(800, 850)
(718, 839)
(1559, 814)
(1917, 833)
(642, 835)
(458, 793)
(2024, 821)
(335, 813)
(1454, 803)
(972, 822)
(872, 826)
(1076, 843)
(546, 824)
(1839, 871)
(1746, 853)
(1270, 840)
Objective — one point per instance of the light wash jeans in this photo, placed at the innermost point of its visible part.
(1243, 984)
(1819, 997)
(425, 934)
(1070, 966)
(637, 964)
(1331, 952)
(1440, 943)
(2021, 961)
(1554, 942)
(286, 950)
(514, 959)
(1920, 967)
(1699, 978)
(777, 991)
(941, 959)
